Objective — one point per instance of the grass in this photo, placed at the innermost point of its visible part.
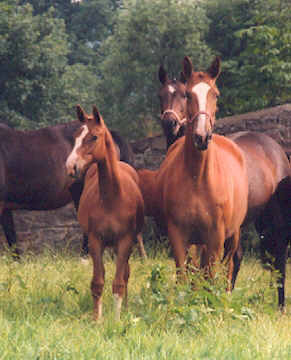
(46, 308)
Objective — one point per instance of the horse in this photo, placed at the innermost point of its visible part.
(269, 183)
(33, 173)
(172, 102)
(211, 172)
(172, 96)
(111, 210)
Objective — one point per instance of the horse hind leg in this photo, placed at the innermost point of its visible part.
(96, 250)
(76, 192)
(9, 231)
(236, 259)
(232, 257)
(140, 246)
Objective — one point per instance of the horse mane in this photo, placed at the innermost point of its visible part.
(126, 152)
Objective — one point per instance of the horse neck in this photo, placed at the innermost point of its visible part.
(199, 164)
(108, 173)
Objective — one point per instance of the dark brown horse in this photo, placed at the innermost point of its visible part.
(33, 173)
(202, 184)
(172, 97)
(269, 186)
(111, 210)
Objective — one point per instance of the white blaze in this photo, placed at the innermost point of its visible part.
(74, 157)
(201, 91)
(171, 89)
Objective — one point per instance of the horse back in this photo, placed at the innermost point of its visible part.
(267, 165)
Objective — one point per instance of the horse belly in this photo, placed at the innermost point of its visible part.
(37, 200)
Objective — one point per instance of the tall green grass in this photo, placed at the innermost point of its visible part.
(46, 309)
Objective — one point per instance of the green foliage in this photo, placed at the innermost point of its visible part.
(55, 54)
(33, 53)
(147, 34)
(253, 38)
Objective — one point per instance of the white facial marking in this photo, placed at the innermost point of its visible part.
(73, 157)
(201, 91)
(171, 89)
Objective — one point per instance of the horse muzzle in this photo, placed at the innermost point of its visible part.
(201, 142)
(74, 173)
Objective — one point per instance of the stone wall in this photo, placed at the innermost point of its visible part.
(275, 122)
(60, 230)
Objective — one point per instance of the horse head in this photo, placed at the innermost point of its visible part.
(90, 143)
(202, 93)
(172, 97)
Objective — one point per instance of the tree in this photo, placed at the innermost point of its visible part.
(33, 53)
(146, 34)
(88, 23)
(253, 38)
(38, 87)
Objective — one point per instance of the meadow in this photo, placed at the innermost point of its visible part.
(46, 312)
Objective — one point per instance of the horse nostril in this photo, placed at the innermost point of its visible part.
(174, 123)
(198, 139)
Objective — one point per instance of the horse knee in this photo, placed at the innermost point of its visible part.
(97, 288)
(118, 288)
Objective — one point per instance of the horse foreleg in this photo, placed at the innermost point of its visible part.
(96, 250)
(119, 286)
(212, 251)
(179, 247)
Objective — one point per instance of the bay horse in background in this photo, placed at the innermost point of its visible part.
(202, 184)
(172, 96)
(111, 210)
(33, 173)
(269, 199)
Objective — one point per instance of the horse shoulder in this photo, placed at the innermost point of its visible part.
(128, 169)
(231, 148)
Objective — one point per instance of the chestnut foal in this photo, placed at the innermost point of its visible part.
(111, 209)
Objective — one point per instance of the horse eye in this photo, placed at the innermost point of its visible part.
(94, 138)
(188, 95)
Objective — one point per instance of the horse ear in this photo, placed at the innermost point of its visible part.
(163, 76)
(97, 115)
(187, 67)
(182, 77)
(215, 68)
(80, 113)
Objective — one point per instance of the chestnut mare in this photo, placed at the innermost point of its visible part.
(111, 206)
(33, 174)
(269, 199)
(202, 184)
